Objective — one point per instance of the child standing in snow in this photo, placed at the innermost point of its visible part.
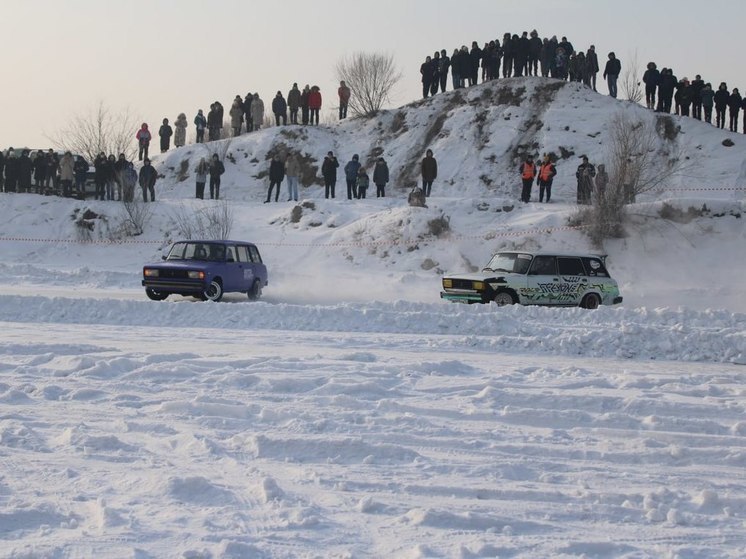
(362, 183)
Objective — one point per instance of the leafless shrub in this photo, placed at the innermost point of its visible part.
(136, 214)
(101, 130)
(631, 85)
(211, 222)
(371, 77)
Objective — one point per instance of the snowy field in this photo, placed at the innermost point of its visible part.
(351, 413)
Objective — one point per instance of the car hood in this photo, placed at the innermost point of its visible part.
(181, 265)
(482, 276)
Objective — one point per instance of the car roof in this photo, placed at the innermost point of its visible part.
(549, 253)
(215, 241)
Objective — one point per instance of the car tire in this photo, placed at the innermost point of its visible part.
(505, 297)
(154, 295)
(213, 292)
(591, 301)
(256, 291)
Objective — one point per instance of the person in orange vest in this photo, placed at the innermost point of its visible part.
(547, 170)
(527, 171)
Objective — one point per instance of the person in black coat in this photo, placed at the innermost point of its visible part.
(24, 169)
(426, 69)
(475, 57)
(534, 53)
(164, 133)
(280, 109)
(651, 78)
(522, 52)
(666, 87)
(40, 171)
(445, 64)
(381, 177)
(329, 171)
(734, 104)
(508, 54)
(722, 96)
(611, 73)
(147, 178)
(2, 169)
(216, 170)
(696, 88)
(11, 171)
(435, 69)
(276, 176)
(591, 60)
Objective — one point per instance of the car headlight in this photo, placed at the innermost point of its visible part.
(150, 273)
(477, 285)
(447, 284)
(192, 274)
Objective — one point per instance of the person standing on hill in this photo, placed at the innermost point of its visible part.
(329, 171)
(200, 122)
(143, 141)
(722, 96)
(304, 104)
(81, 172)
(292, 172)
(247, 111)
(591, 60)
(236, 114)
(426, 69)
(666, 88)
(351, 169)
(734, 104)
(280, 109)
(435, 78)
(585, 174)
(67, 174)
(445, 64)
(257, 112)
(707, 95)
(508, 54)
(475, 56)
(363, 181)
(344, 99)
(527, 171)
(381, 177)
(147, 178)
(200, 176)
(429, 168)
(294, 99)
(547, 171)
(180, 133)
(40, 171)
(164, 133)
(276, 176)
(696, 90)
(314, 104)
(216, 170)
(651, 78)
(611, 73)
(214, 123)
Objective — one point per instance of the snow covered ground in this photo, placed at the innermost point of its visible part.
(351, 413)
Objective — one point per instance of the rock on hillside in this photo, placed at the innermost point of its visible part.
(479, 136)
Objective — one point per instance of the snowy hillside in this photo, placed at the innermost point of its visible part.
(352, 413)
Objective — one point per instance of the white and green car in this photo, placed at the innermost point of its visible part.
(528, 278)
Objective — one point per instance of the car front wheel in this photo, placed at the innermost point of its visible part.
(505, 298)
(256, 291)
(591, 301)
(213, 292)
(154, 295)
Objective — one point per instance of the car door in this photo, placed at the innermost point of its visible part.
(232, 270)
(245, 266)
(543, 281)
(573, 280)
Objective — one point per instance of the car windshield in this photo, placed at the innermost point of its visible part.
(210, 252)
(510, 262)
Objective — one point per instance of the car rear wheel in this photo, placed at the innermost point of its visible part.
(505, 298)
(591, 301)
(154, 295)
(256, 291)
(214, 292)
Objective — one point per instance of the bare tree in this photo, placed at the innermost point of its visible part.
(371, 77)
(102, 129)
(631, 85)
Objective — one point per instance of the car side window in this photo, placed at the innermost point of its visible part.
(255, 257)
(543, 266)
(595, 267)
(570, 267)
(230, 254)
(243, 254)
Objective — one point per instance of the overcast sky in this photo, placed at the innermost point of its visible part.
(158, 58)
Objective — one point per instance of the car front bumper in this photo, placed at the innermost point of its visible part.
(462, 297)
(173, 285)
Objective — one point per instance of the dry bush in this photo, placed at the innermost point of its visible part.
(631, 86)
(371, 77)
(211, 222)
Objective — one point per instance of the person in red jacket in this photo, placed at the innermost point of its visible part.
(314, 103)
(344, 99)
(143, 141)
(527, 171)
